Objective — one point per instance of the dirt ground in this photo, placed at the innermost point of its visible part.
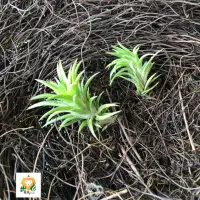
(153, 149)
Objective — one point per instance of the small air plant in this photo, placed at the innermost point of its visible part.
(131, 67)
(71, 101)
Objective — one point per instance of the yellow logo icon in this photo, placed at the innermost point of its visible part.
(28, 184)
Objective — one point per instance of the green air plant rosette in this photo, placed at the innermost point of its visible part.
(131, 67)
(72, 102)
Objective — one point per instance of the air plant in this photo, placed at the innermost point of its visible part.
(72, 102)
(131, 67)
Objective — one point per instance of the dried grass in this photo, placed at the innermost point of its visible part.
(149, 153)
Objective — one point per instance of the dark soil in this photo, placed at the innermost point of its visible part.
(149, 152)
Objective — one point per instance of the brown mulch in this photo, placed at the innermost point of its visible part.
(148, 150)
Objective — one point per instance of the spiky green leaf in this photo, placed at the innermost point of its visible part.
(72, 102)
(129, 66)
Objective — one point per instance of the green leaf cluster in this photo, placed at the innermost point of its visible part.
(131, 67)
(22, 188)
(72, 102)
(33, 188)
